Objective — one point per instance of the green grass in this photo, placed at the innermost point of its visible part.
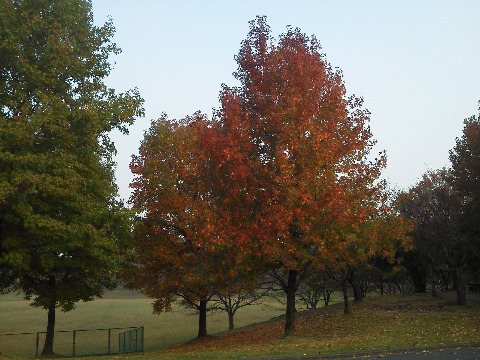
(118, 308)
(377, 323)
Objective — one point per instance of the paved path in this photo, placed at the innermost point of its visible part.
(452, 352)
(444, 354)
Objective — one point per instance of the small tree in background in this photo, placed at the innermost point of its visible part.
(382, 235)
(318, 286)
(237, 295)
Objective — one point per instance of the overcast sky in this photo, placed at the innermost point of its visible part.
(416, 63)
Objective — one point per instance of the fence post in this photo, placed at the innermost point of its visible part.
(143, 336)
(136, 339)
(74, 334)
(131, 341)
(109, 338)
(36, 351)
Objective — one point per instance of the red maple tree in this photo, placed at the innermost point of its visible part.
(177, 254)
(290, 150)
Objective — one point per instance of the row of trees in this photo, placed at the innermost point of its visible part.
(281, 179)
(445, 205)
(281, 182)
(440, 213)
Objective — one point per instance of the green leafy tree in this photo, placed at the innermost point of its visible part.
(438, 210)
(465, 159)
(60, 224)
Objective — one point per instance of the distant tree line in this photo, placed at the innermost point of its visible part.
(445, 207)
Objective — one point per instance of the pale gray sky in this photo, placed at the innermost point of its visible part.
(416, 63)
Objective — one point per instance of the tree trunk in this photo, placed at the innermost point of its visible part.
(454, 281)
(461, 287)
(202, 319)
(434, 287)
(290, 313)
(357, 291)
(419, 279)
(326, 298)
(231, 326)
(462, 295)
(346, 306)
(48, 345)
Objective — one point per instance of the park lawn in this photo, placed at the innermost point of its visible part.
(376, 323)
(118, 308)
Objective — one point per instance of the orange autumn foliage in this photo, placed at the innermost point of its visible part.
(280, 176)
(291, 156)
(290, 150)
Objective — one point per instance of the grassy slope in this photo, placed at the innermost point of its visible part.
(387, 322)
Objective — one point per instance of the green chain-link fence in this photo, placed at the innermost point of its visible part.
(72, 343)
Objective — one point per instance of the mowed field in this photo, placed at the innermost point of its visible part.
(377, 323)
(117, 308)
